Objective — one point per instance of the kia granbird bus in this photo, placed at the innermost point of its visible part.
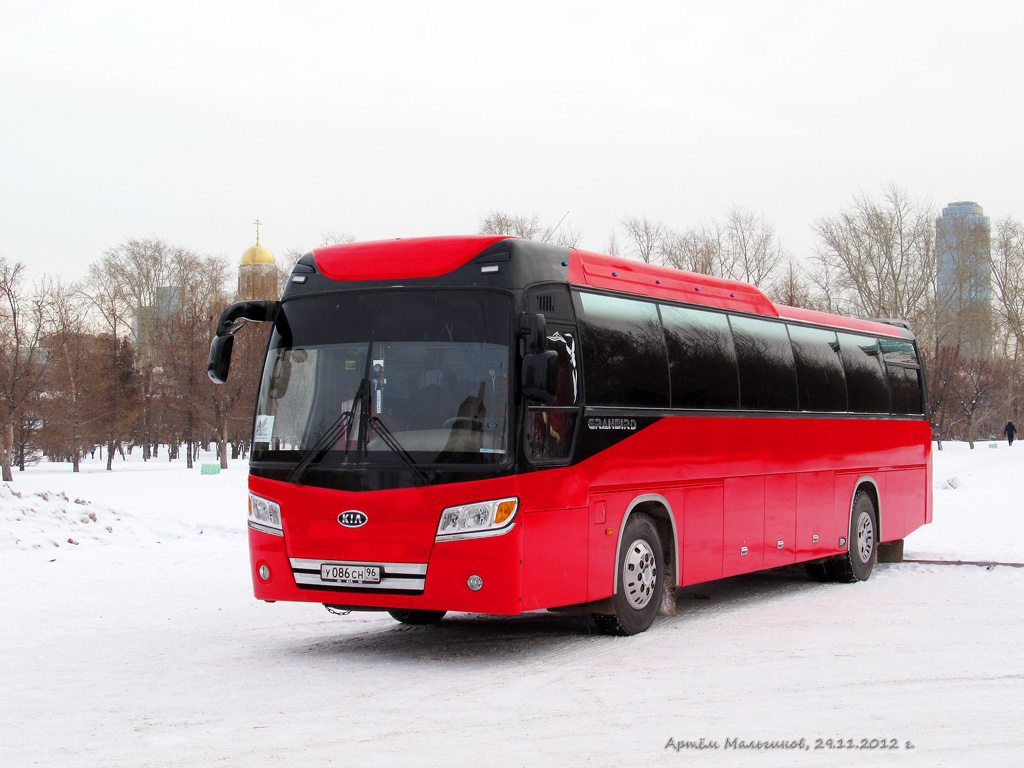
(493, 425)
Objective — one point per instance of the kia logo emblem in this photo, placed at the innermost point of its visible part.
(353, 518)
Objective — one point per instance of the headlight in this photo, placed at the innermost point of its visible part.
(474, 521)
(265, 515)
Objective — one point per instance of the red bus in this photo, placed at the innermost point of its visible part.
(494, 425)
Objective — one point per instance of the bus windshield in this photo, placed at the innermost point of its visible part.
(387, 377)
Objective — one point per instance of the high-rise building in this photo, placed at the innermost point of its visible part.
(963, 254)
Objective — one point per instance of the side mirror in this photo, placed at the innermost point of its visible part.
(535, 328)
(220, 358)
(231, 320)
(540, 372)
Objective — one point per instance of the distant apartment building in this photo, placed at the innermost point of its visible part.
(963, 251)
(151, 323)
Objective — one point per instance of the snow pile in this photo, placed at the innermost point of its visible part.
(46, 519)
(49, 509)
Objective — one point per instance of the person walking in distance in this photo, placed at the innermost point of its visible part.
(1009, 430)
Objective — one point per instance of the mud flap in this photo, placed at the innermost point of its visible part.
(891, 552)
(667, 607)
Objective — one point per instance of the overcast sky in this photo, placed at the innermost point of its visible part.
(188, 120)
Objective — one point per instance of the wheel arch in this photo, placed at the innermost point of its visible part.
(658, 508)
(868, 484)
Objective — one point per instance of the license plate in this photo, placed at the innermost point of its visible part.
(350, 574)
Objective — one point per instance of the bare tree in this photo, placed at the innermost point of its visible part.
(878, 255)
(645, 237)
(975, 383)
(24, 322)
(503, 223)
(199, 283)
(943, 367)
(108, 298)
(752, 250)
(117, 396)
(567, 236)
(117, 402)
(530, 228)
(698, 249)
(70, 388)
(613, 245)
(792, 287)
(1008, 276)
(743, 247)
(138, 273)
(334, 237)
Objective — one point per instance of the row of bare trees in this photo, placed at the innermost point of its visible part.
(117, 360)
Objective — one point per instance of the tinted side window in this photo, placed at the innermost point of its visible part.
(905, 385)
(899, 351)
(567, 385)
(549, 433)
(624, 358)
(819, 369)
(903, 367)
(550, 428)
(865, 376)
(767, 376)
(702, 359)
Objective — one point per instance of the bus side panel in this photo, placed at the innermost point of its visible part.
(904, 504)
(744, 525)
(779, 520)
(555, 557)
(703, 533)
(815, 499)
(928, 487)
(605, 518)
(604, 524)
(919, 499)
(929, 478)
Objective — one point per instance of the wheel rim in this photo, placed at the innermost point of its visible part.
(865, 537)
(639, 574)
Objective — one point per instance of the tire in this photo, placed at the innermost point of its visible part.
(640, 580)
(417, 617)
(862, 546)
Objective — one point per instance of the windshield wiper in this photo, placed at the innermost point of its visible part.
(329, 437)
(391, 442)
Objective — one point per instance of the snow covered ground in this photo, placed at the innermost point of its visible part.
(138, 643)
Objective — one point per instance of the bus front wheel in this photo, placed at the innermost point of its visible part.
(639, 581)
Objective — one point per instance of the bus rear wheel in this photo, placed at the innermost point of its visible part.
(861, 553)
(640, 580)
(414, 616)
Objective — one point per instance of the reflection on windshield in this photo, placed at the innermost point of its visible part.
(291, 421)
(443, 398)
(425, 400)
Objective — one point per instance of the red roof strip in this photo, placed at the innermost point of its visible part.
(401, 258)
(620, 274)
(852, 323)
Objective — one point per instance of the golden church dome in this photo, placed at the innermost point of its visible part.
(257, 254)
